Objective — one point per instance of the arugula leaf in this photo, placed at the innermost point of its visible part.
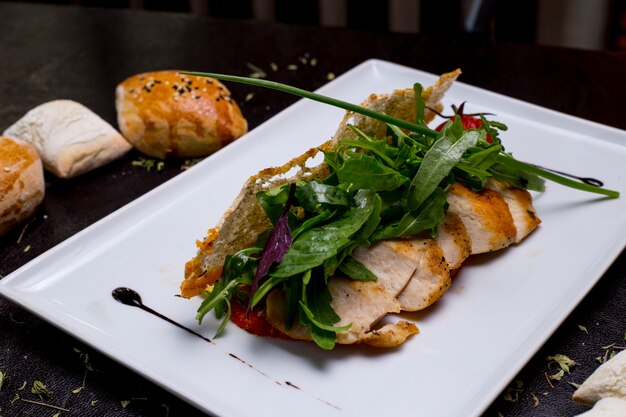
(483, 158)
(237, 271)
(503, 171)
(427, 216)
(379, 147)
(356, 270)
(374, 218)
(367, 172)
(437, 164)
(273, 201)
(393, 205)
(314, 246)
(292, 302)
(313, 222)
(265, 288)
(314, 196)
(318, 313)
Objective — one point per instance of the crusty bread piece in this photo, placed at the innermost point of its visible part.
(70, 138)
(168, 114)
(609, 380)
(400, 104)
(21, 182)
(245, 219)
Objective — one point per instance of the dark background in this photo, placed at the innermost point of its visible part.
(570, 23)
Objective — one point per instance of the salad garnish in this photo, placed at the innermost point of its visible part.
(377, 189)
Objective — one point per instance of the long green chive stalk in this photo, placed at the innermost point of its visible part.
(503, 158)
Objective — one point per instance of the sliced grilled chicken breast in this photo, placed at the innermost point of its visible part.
(430, 280)
(454, 240)
(520, 205)
(361, 304)
(486, 217)
(392, 261)
(413, 270)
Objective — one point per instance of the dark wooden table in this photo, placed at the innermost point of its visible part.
(49, 52)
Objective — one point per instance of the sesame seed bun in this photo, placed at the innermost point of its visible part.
(167, 114)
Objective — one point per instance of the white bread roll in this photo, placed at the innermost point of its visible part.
(21, 182)
(609, 380)
(70, 138)
(167, 114)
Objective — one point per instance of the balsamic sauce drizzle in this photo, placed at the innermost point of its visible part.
(130, 297)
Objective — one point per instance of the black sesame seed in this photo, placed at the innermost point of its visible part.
(188, 88)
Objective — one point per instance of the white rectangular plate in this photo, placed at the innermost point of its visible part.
(499, 311)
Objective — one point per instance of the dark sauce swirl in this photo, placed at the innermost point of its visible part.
(132, 298)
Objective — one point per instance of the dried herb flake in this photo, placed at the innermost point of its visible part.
(40, 389)
(561, 362)
(536, 401)
(513, 391)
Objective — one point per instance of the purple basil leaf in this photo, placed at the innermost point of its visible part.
(277, 244)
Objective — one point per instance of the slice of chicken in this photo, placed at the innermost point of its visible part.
(486, 217)
(520, 204)
(413, 270)
(431, 278)
(414, 273)
(358, 303)
(392, 261)
(363, 304)
(455, 243)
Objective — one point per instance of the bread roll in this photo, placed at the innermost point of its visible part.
(21, 182)
(70, 138)
(609, 380)
(167, 114)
